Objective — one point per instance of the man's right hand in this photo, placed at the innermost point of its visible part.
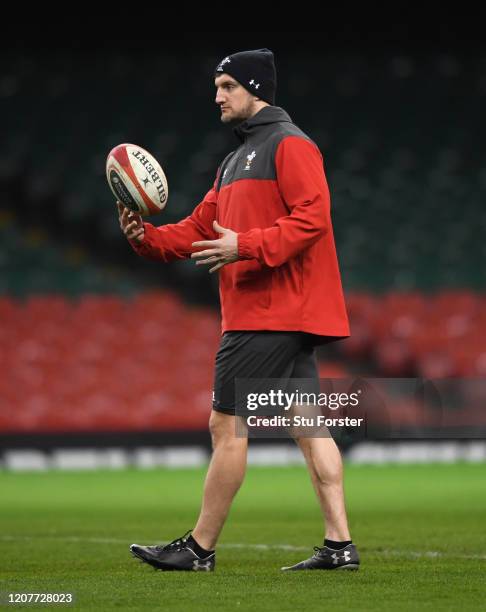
(131, 224)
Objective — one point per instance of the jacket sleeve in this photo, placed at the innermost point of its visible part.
(303, 188)
(174, 240)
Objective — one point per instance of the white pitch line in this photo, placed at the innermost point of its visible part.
(431, 554)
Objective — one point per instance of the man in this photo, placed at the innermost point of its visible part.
(265, 226)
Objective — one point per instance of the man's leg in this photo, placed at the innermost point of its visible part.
(224, 477)
(322, 457)
(326, 471)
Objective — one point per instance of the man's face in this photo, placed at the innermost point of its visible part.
(235, 102)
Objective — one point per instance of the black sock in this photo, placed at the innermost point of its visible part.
(337, 545)
(200, 552)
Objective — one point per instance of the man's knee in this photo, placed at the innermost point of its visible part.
(222, 428)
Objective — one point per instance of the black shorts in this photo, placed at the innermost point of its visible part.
(260, 354)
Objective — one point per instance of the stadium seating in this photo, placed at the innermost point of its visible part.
(407, 184)
(106, 363)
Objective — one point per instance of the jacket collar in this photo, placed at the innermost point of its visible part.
(265, 116)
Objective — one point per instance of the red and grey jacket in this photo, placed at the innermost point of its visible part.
(273, 192)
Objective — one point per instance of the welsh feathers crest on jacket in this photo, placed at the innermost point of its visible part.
(249, 159)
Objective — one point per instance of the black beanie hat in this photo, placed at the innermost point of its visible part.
(255, 70)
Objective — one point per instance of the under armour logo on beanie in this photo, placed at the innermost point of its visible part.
(255, 70)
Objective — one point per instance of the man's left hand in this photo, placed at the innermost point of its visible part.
(222, 251)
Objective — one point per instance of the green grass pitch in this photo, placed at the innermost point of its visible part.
(420, 530)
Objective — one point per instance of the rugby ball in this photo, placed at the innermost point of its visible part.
(136, 179)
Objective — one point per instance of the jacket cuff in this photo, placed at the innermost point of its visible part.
(245, 247)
